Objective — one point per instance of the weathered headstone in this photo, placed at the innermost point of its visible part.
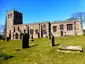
(38, 35)
(32, 39)
(8, 38)
(66, 48)
(52, 41)
(25, 41)
(49, 25)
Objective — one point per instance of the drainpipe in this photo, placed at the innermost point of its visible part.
(81, 23)
(75, 28)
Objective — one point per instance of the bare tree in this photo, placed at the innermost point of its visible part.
(78, 16)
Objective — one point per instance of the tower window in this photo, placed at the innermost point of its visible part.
(9, 15)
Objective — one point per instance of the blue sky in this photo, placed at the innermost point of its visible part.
(42, 10)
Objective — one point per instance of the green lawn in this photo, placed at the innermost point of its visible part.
(41, 52)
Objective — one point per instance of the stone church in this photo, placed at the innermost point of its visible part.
(14, 27)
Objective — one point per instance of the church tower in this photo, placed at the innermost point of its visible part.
(13, 17)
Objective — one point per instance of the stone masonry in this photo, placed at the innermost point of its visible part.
(16, 28)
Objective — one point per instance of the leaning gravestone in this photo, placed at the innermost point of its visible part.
(52, 41)
(25, 41)
(67, 49)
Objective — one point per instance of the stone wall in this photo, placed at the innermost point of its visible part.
(11, 21)
(77, 29)
(16, 28)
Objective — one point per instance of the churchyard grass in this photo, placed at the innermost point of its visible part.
(41, 52)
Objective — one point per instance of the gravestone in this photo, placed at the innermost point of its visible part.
(53, 41)
(38, 35)
(66, 48)
(8, 38)
(32, 39)
(25, 41)
(49, 25)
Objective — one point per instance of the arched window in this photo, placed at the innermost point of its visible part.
(18, 28)
(11, 15)
(14, 29)
(36, 31)
(31, 31)
(24, 31)
(8, 15)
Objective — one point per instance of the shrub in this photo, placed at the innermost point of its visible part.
(5, 56)
(2, 37)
